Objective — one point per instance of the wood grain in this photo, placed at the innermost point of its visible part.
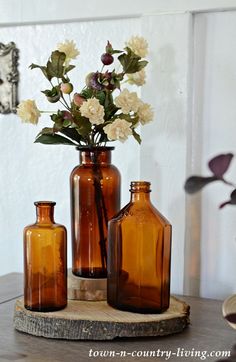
(99, 321)
(11, 287)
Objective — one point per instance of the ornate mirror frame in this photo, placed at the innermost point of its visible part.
(9, 77)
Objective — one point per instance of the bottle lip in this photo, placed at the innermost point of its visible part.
(44, 203)
(140, 186)
(95, 148)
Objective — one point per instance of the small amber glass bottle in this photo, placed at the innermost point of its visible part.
(45, 262)
(139, 250)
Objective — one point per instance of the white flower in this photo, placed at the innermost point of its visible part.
(145, 113)
(127, 101)
(138, 45)
(28, 111)
(138, 78)
(93, 110)
(118, 130)
(69, 48)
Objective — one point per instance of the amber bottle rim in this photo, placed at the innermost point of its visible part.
(44, 203)
(97, 148)
(140, 186)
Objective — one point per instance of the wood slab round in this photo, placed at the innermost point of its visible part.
(98, 321)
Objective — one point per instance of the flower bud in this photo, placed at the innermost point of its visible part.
(107, 59)
(78, 100)
(67, 115)
(66, 88)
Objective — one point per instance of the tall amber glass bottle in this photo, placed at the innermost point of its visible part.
(139, 248)
(45, 262)
(95, 198)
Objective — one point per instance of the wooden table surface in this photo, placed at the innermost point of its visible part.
(207, 332)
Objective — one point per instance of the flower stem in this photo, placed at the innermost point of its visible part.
(47, 111)
(101, 209)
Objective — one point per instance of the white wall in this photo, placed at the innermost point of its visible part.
(216, 65)
(163, 152)
(210, 248)
(30, 11)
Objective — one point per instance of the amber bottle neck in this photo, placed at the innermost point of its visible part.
(98, 155)
(44, 212)
(140, 191)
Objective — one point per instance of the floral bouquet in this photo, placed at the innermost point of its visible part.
(92, 116)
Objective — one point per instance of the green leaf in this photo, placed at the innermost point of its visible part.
(109, 49)
(72, 133)
(110, 111)
(69, 68)
(49, 139)
(87, 93)
(55, 66)
(57, 118)
(46, 130)
(134, 120)
(53, 95)
(142, 64)
(131, 62)
(114, 51)
(109, 106)
(84, 126)
(52, 92)
(101, 96)
(66, 123)
(136, 136)
(43, 69)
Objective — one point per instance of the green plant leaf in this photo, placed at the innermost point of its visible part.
(101, 96)
(131, 62)
(72, 133)
(46, 130)
(69, 68)
(136, 136)
(43, 69)
(114, 51)
(49, 139)
(87, 93)
(53, 95)
(57, 118)
(55, 66)
(110, 111)
(84, 126)
(142, 64)
(66, 123)
(109, 106)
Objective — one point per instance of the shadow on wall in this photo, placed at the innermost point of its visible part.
(168, 94)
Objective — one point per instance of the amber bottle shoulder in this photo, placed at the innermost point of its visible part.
(84, 167)
(131, 209)
(44, 226)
